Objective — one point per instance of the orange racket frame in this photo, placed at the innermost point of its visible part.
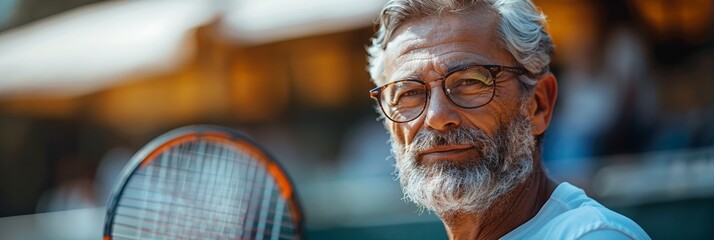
(204, 132)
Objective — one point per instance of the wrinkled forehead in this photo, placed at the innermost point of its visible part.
(443, 27)
(443, 40)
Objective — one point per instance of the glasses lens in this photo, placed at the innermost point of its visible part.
(470, 88)
(403, 101)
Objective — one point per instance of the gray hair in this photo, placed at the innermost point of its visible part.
(522, 31)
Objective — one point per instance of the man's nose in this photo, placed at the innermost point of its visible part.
(440, 112)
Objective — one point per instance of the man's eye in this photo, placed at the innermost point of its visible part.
(410, 98)
(413, 92)
(467, 82)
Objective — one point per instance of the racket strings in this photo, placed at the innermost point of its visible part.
(151, 206)
(163, 187)
(172, 230)
(162, 220)
(221, 182)
(160, 213)
(203, 188)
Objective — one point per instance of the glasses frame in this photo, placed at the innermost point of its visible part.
(494, 70)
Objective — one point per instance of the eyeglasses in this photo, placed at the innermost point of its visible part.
(471, 86)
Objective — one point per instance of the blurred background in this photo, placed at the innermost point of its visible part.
(85, 83)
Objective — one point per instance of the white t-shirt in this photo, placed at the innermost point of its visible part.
(570, 214)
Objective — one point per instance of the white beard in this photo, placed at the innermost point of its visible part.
(504, 161)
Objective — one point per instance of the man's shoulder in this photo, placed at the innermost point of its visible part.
(584, 217)
(592, 219)
(571, 214)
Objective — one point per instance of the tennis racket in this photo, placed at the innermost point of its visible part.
(203, 182)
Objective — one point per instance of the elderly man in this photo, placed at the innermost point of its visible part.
(466, 94)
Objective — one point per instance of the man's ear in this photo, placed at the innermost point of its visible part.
(540, 106)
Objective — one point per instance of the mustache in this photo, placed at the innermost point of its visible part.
(427, 139)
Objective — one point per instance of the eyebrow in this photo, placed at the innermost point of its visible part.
(449, 70)
(461, 66)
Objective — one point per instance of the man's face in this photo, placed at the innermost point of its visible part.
(450, 158)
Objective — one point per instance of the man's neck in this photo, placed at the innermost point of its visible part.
(512, 210)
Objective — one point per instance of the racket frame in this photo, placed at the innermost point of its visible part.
(216, 133)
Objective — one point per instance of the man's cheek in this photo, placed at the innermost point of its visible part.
(397, 133)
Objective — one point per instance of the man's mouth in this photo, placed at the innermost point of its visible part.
(445, 153)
